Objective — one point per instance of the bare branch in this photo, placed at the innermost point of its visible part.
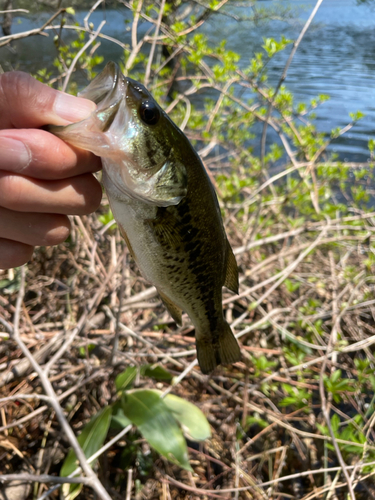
(96, 484)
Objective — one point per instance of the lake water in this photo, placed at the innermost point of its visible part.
(336, 57)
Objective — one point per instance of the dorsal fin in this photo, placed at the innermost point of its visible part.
(231, 275)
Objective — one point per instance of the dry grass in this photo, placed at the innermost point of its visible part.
(259, 448)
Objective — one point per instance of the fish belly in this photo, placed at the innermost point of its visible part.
(171, 272)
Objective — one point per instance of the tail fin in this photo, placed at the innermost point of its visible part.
(224, 351)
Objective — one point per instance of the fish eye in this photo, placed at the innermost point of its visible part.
(149, 113)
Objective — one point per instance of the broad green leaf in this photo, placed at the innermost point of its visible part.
(119, 421)
(190, 417)
(156, 372)
(91, 440)
(125, 379)
(157, 425)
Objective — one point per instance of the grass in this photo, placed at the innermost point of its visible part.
(268, 414)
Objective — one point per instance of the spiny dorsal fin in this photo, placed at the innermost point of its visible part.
(231, 276)
(174, 310)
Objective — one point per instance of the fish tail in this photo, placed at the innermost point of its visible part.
(225, 351)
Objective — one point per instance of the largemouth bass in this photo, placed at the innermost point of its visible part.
(165, 206)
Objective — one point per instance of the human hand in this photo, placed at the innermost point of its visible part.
(42, 179)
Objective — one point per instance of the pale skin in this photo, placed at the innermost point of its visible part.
(42, 179)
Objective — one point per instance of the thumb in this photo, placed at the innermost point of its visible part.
(28, 103)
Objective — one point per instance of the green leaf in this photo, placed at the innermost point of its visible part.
(335, 422)
(335, 376)
(358, 115)
(125, 379)
(291, 286)
(157, 372)
(119, 421)
(191, 418)
(157, 425)
(70, 10)
(91, 439)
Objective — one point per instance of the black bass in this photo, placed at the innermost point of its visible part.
(165, 206)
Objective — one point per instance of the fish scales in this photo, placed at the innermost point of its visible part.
(165, 205)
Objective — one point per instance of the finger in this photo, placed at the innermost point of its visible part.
(34, 228)
(78, 195)
(28, 103)
(39, 154)
(13, 253)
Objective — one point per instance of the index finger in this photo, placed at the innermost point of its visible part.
(28, 103)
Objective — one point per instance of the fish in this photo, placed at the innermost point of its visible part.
(165, 206)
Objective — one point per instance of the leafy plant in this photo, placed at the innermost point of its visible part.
(162, 421)
(296, 396)
(91, 440)
(154, 420)
(337, 385)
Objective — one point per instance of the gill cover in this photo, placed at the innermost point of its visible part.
(138, 155)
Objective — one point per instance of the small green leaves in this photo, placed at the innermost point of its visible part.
(91, 440)
(296, 396)
(352, 432)
(263, 365)
(336, 385)
(358, 115)
(291, 286)
(107, 218)
(157, 425)
(272, 46)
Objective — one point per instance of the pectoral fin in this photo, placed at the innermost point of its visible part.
(231, 277)
(128, 244)
(173, 310)
(165, 230)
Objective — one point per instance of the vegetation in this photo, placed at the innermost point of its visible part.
(300, 405)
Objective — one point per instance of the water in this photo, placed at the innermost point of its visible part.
(336, 57)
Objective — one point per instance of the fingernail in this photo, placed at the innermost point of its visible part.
(73, 109)
(14, 154)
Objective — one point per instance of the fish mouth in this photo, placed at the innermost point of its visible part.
(111, 85)
(105, 88)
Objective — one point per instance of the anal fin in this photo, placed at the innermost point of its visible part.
(231, 276)
(173, 310)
